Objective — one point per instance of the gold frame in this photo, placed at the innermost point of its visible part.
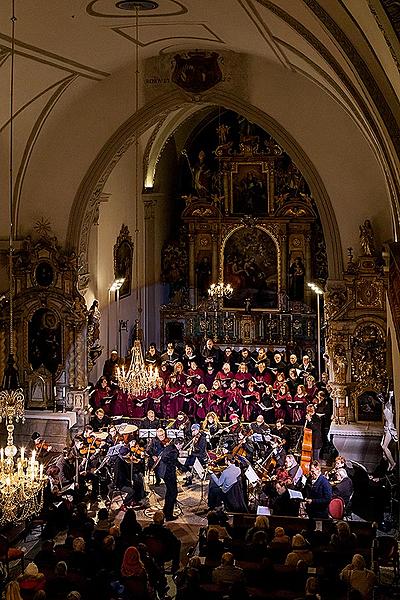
(269, 183)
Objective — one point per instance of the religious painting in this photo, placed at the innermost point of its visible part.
(44, 340)
(297, 273)
(251, 267)
(249, 190)
(368, 407)
(123, 260)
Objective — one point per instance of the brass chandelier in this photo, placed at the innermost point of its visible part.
(21, 478)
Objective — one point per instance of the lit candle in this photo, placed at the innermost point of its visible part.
(22, 454)
(2, 455)
(347, 401)
(337, 402)
(41, 471)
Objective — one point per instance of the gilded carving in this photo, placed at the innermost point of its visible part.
(370, 294)
(369, 355)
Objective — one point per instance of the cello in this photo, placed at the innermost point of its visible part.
(306, 447)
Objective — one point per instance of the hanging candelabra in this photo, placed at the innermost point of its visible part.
(137, 379)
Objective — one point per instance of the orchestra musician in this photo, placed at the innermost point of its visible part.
(212, 427)
(342, 487)
(260, 427)
(169, 464)
(313, 422)
(150, 421)
(182, 422)
(100, 421)
(283, 432)
(128, 477)
(227, 488)
(154, 452)
(294, 471)
(198, 450)
(40, 446)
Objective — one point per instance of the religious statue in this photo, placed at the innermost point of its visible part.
(222, 131)
(297, 272)
(340, 364)
(367, 238)
(93, 334)
(389, 429)
(201, 174)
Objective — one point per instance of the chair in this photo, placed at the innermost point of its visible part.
(8, 554)
(336, 508)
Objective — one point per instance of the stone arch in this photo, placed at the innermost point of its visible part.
(87, 199)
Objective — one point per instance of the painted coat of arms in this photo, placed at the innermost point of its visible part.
(197, 72)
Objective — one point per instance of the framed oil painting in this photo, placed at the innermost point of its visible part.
(249, 189)
(250, 265)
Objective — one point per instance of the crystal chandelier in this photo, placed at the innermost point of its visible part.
(220, 290)
(21, 479)
(137, 380)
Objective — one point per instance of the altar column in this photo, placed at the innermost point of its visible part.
(283, 241)
(308, 268)
(214, 270)
(151, 306)
(192, 273)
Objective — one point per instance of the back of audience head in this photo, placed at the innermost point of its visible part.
(212, 534)
(298, 542)
(312, 587)
(262, 522)
(108, 543)
(12, 591)
(61, 569)
(194, 562)
(78, 544)
(227, 559)
(158, 517)
(74, 595)
(358, 562)
(103, 514)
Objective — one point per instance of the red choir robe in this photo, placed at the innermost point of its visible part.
(297, 409)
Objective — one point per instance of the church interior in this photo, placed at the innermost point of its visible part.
(199, 298)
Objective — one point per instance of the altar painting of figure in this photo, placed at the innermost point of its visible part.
(250, 190)
(44, 340)
(123, 260)
(369, 407)
(251, 267)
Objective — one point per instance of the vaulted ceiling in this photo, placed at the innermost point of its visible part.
(326, 69)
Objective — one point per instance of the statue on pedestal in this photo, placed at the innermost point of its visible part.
(367, 238)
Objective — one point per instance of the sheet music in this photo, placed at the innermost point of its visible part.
(198, 468)
(295, 494)
(251, 475)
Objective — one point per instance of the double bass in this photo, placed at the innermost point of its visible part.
(306, 450)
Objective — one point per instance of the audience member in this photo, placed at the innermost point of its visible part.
(227, 573)
(12, 591)
(130, 530)
(343, 539)
(30, 581)
(134, 576)
(46, 558)
(300, 552)
(214, 546)
(261, 524)
(358, 577)
(60, 584)
(158, 531)
(280, 538)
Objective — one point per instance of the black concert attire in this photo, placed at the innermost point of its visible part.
(230, 357)
(129, 479)
(306, 370)
(278, 366)
(183, 425)
(99, 424)
(186, 360)
(170, 358)
(284, 505)
(155, 449)
(212, 433)
(343, 489)
(279, 454)
(284, 434)
(169, 464)
(315, 425)
(211, 356)
(110, 369)
(147, 423)
(152, 360)
(227, 488)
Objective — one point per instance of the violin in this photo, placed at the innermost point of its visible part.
(137, 453)
(91, 445)
(42, 447)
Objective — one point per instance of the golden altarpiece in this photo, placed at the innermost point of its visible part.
(50, 323)
(253, 223)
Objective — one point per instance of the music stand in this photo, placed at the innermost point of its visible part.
(147, 434)
(112, 452)
(173, 434)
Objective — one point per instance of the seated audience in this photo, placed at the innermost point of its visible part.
(134, 576)
(165, 536)
(261, 524)
(300, 552)
(214, 547)
(59, 585)
(30, 581)
(343, 539)
(280, 538)
(46, 558)
(188, 583)
(78, 559)
(311, 591)
(227, 573)
(130, 531)
(258, 548)
(12, 591)
(358, 577)
(219, 520)
(343, 486)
